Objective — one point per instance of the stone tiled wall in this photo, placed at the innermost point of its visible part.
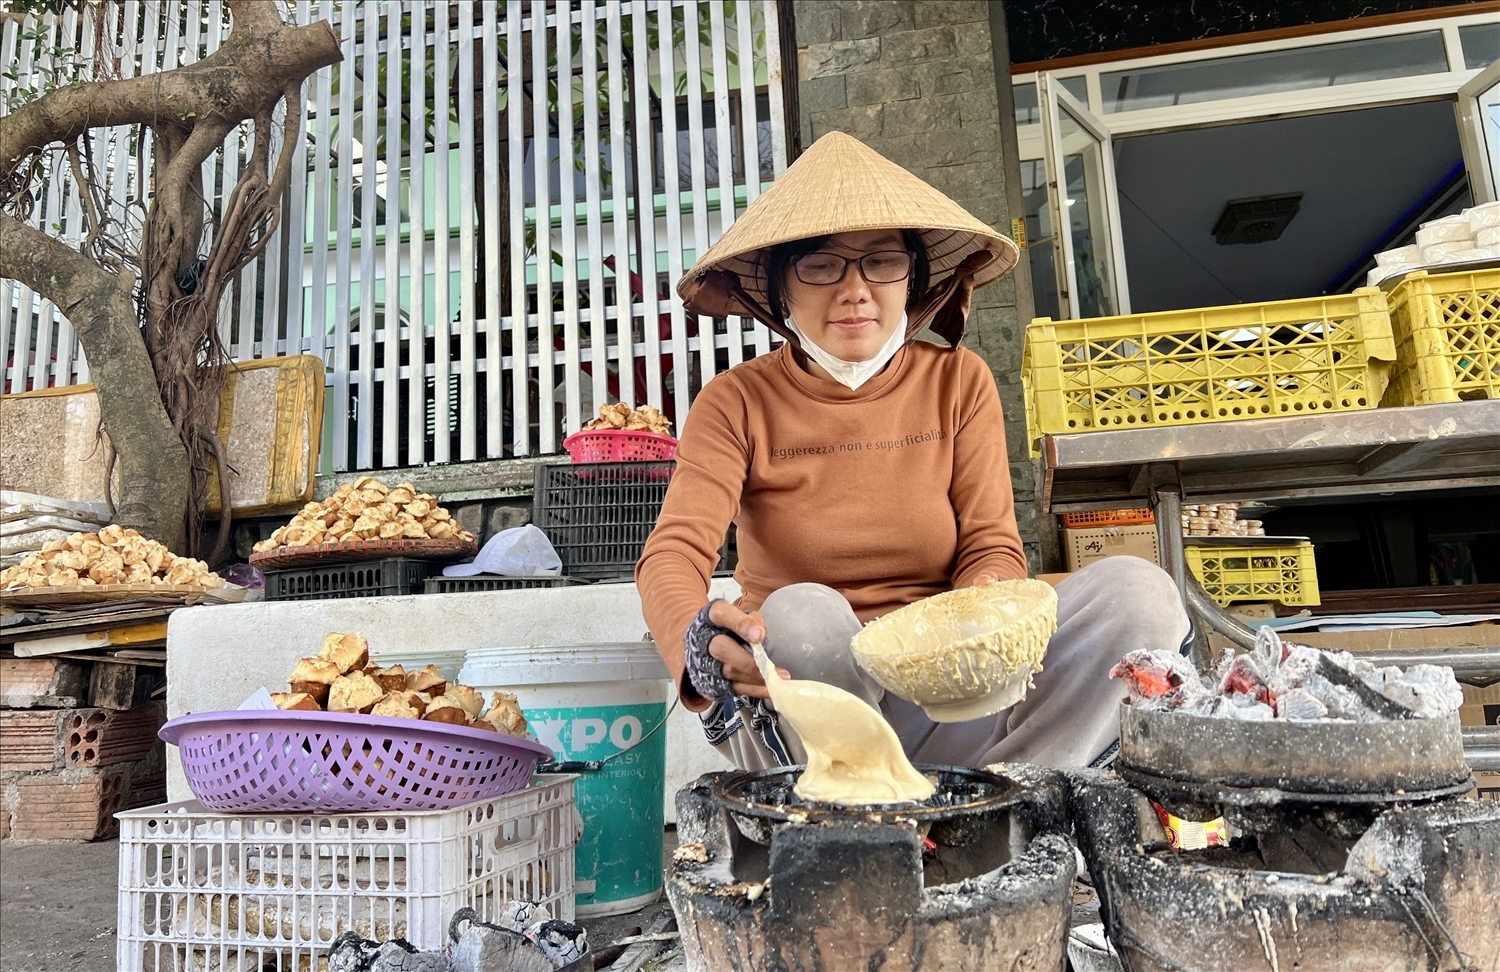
(915, 80)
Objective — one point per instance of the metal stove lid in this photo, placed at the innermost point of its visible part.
(962, 791)
(1367, 759)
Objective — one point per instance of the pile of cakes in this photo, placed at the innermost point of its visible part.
(367, 509)
(341, 678)
(114, 555)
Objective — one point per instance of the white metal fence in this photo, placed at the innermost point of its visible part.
(456, 142)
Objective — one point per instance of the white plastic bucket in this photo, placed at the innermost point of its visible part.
(449, 663)
(590, 702)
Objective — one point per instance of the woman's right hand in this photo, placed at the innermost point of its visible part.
(739, 664)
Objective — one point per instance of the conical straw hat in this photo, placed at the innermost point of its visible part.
(840, 185)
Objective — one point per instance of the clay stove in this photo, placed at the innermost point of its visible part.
(1356, 851)
(978, 877)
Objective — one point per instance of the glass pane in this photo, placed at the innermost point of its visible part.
(1489, 130)
(1083, 168)
(1481, 44)
(1077, 86)
(1039, 242)
(1325, 65)
(1027, 112)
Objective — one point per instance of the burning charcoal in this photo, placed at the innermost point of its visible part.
(1282, 680)
(1246, 677)
(1300, 664)
(561, 941)
(1301, 705)
(1148, 674)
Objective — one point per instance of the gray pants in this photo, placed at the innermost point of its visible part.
(1067, 720)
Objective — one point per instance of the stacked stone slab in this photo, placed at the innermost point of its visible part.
(67, 768)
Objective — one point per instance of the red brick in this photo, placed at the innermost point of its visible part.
(4, 814)
(97, 737)
(30, 741)
(52, 808)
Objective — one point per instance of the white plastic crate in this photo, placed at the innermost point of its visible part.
(242, 892)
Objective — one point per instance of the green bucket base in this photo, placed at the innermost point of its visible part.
(622, 907)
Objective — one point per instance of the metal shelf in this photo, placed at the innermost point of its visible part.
(1336, 454)
(1385, 450)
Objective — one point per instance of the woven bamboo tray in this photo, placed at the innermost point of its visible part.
(96, 594)
(316, 554)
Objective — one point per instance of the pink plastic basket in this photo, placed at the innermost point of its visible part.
(264, 761)
(619, 445)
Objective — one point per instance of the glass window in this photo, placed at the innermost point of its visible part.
(1324, 65)
(1481, 44)
(1489, 131)
(1027, 112)
(1039, 237)
(1083, 167)
(1077, 86)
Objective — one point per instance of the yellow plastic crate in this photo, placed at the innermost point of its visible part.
(1207, 364)
(1447, 330)
(1286, 574)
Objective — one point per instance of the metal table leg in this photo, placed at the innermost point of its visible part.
(1202, 609)
(1167, 502)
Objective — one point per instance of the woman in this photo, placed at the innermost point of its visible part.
(865, 470)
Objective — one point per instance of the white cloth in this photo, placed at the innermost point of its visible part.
(1068, 719)
(851, 374)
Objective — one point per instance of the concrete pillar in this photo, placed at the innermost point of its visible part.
(926, 83)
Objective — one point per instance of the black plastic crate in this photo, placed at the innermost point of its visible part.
(369, 578)
(492, 582)
(598, 515)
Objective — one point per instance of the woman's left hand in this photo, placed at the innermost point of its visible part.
(984, 579)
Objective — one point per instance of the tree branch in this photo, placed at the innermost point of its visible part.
(253, 66)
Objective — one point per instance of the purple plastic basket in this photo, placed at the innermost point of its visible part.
(264, 761)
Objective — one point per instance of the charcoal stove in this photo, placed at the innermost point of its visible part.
(978, 877)
(1355, 852)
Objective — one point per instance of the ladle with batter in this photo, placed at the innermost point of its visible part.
(853, 755)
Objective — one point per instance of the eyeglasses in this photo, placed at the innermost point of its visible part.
(880, 267)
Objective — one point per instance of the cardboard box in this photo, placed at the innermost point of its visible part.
(1481, 706)
(1487, 786)
(1252, 610)
(1468, 636)
(1083, 547)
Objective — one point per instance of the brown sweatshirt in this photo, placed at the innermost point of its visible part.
(888, 494)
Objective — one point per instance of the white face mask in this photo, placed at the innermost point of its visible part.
(852, 374)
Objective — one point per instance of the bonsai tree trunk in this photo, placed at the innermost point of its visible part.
(146, 310)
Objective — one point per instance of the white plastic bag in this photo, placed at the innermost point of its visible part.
(1398, 256)
(1482, 217)
(1449, 229)
(1440, 252)
(522, 551)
